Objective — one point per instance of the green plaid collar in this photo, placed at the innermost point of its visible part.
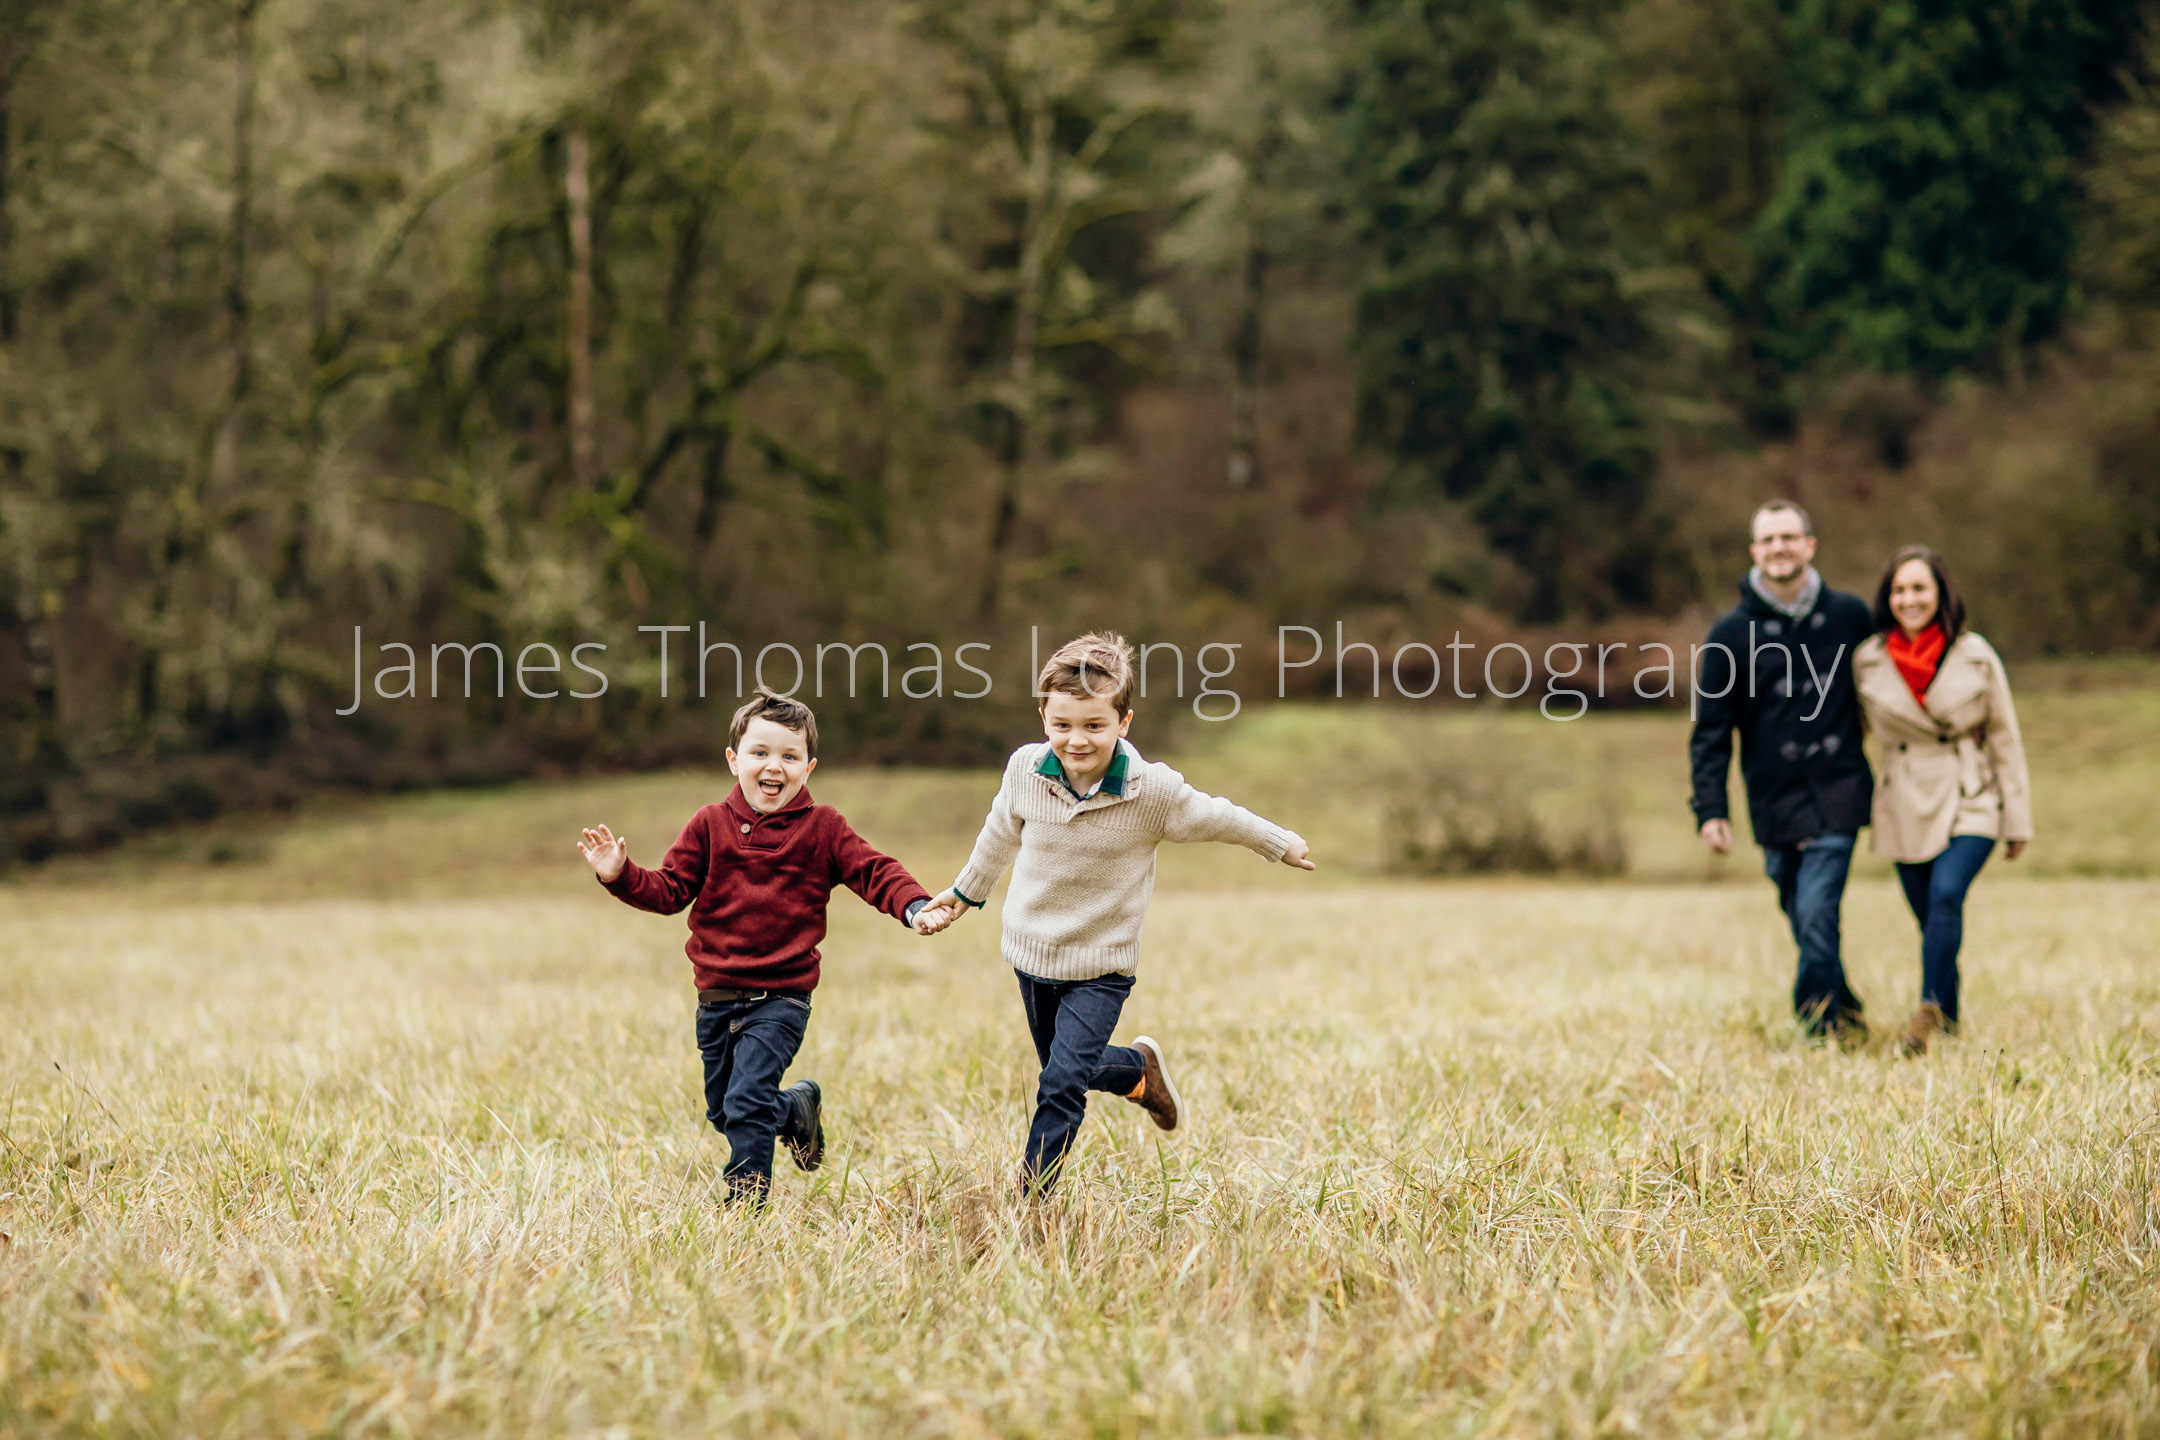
(1113, 780)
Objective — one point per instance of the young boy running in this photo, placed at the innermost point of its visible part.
(1078, 818)
(756, 871)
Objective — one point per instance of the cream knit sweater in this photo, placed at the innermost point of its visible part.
(1083, 869)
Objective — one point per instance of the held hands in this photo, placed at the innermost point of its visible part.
(944, 908)
(1299, 854)
(605, 852)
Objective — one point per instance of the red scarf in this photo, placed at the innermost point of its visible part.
(1918, 658)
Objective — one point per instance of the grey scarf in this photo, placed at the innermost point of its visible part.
(1810, 592)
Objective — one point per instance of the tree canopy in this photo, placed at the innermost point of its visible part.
(537, 323)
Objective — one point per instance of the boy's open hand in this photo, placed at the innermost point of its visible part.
(1298, 854)
(606, 853)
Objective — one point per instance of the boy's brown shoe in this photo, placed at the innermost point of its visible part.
(1156, 1095)
(1927, 1022)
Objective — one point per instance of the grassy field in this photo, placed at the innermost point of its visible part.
(382, 1119)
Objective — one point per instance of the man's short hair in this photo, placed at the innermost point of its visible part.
(1097, 666)
(782, 710)
(1771, 507)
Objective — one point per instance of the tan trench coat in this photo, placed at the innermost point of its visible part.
(1955, 766)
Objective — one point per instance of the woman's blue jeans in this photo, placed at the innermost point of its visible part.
(1935, 889)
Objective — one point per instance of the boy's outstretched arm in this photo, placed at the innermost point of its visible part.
(995, 847)
(882, 882)
(1197, 815)
(663, 891)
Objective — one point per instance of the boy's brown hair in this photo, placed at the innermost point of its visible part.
(783, 710)
(1097, 666)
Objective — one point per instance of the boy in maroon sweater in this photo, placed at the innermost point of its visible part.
(755, 871)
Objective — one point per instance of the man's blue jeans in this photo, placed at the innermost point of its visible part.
(1071, 1022)
(1935, 889)
(748, 1045)
(1810, 880)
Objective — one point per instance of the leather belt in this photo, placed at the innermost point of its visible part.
(731, 997)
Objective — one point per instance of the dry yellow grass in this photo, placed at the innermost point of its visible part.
(1490, 1158)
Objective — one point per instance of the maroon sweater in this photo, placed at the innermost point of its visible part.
(757, 885)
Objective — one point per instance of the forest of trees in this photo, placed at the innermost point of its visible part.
(851, 319)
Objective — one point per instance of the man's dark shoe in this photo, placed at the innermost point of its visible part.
(1158, 1096)
(1844, 1025)
(803, 1124)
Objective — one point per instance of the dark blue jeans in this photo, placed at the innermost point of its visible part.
(748, 1045)
(1935, 889)
(1071, 1021)
(1810, 880)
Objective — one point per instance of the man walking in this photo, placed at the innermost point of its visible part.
(1778, 669)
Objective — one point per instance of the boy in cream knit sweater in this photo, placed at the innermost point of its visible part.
(1078, 818)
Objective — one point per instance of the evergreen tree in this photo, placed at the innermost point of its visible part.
(1495, 329)
(1699, 85)
(1923, 215)
(2120, 264)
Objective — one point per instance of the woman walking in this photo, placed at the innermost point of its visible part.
(1953, 766)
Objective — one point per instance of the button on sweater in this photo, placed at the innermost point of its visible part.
(1084, 869)
(756, 888)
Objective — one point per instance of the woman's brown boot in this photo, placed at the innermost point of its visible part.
(1927, 1022)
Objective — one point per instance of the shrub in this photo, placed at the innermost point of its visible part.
(1495, 807)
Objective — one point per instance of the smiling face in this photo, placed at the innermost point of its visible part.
(1782, 546)
(1083, 733)
(1914, 597)
(771, 766)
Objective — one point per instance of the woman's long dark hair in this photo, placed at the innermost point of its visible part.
(1949, 605)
